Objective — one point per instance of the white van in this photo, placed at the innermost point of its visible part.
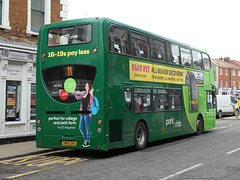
(224, 105)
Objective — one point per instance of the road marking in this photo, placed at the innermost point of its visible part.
(40, 160)
(224, 127)
(24, 174)
(233, 151)
(181, 172)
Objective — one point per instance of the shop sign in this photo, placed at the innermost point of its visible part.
(18, 55)
(14, 72)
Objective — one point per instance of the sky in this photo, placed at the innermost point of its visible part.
(213, 25)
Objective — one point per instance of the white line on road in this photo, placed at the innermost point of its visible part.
(233, 151)
(181, 172)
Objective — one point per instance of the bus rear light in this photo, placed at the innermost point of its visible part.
(43, 55)
(39, 144)
(99, 121)
(38, 121)
(95, 50)
(99, 130)
(99, 145)
(39, 129)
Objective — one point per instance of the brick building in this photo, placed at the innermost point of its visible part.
(20, 21)
(227, 76)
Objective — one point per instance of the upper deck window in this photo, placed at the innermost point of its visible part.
(140, 45)
(70, 35)
(118, 40)
(158, 50)
(197, 60)
(186, 57)
(206, 62)
(173, 54)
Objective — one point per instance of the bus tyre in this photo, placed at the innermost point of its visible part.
(199, 125)
(140, 136)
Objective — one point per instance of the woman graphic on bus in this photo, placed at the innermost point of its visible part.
(86, 113)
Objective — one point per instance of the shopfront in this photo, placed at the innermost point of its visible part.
(17, 91)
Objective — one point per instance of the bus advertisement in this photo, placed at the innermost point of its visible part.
(102, 84)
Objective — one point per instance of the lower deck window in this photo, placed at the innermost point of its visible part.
(175, 96)
(142, 100)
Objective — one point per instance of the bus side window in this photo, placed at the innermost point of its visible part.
(160, 100)
(175, 96)
(206, 62)
(128, 97)
(173, 54)
(118, 40)
(210, 100)
(158, 50)
(197, 60)
(186, 57)
(140, 45)
(142, 100)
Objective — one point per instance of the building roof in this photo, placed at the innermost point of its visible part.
(222, 63)
(235, 62)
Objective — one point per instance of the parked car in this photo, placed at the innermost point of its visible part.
(225, 105)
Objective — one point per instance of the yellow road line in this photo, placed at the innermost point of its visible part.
(24, 174)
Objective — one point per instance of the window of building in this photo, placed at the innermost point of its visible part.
(175, 99)
(0, 12)
(197, 60)
(158, 51)
(37, 14)
(140, 45)
(239, 85)
(226, 83)
(186, 57)
(233, 72)
(4, 15)
(160, 100)
(221, 71)
(206, 62)
(173, 54)
(13, 92)
(118, 40)
(221, 83)
(226, 72)
(234, 83)
(238, 73)
(33, 102)
(142, 100)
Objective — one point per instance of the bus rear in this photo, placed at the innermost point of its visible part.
(70, 85)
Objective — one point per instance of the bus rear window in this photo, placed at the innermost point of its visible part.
(70, 35)
(61, 80)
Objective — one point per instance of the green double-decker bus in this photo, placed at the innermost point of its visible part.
(102, 84)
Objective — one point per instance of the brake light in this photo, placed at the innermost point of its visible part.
(38, 121)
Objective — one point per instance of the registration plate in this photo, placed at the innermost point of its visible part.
(69, 143)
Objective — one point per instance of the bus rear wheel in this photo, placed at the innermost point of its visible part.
(200, 126)
(140, 136)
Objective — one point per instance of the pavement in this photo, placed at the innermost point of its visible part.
(19, 149)
(29, 147)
